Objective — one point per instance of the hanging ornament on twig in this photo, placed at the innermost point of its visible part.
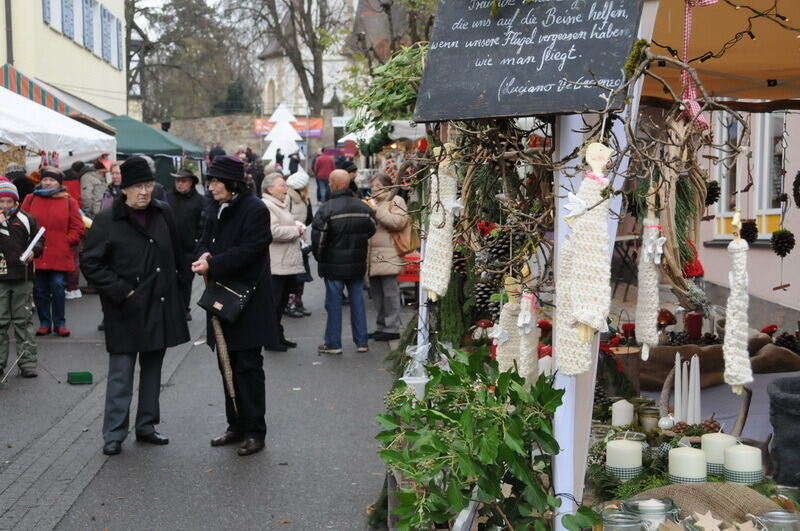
(782, 242)
(796, 190)
(749, 232)
(583, 290)
(438, 260)
(734, 349)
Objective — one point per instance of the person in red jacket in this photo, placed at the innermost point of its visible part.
(58, 213)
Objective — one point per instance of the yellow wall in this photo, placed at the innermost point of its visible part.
(40, 52)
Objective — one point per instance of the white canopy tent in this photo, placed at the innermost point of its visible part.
(283, 131)
(282, 114)
(28, 124)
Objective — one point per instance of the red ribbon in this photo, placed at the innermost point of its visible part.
(689, 95)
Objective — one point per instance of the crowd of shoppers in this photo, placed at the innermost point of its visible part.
(143, 247)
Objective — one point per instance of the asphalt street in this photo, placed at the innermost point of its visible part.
(318, 471)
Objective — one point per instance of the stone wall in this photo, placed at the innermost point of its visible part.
(231, 131)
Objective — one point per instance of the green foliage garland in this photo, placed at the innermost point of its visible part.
(476, 429)
(452, 322)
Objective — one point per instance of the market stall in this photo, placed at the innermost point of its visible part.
(29, 129)
(168, 151)
(495, 406)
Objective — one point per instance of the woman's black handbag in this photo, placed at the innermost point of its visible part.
(226, 301)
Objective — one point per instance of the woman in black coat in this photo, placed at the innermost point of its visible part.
(235, 246)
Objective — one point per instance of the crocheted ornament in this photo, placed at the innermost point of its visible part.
(528, 358)
(572, 356)
(782, 242)
(590, 284)
(647, 304)
(438, 261)
(508, 338)
(749, 231)
(734, 348)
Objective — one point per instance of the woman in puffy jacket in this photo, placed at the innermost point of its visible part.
(286, 259)
(384, 264)
(59, 214)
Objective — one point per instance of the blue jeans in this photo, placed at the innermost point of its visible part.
(323, 190)
(334, 293)
(48, 294)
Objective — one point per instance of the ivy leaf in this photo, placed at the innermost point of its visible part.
(454, 496)
(387, 422)
(536, 496)
(548, 443)
(488, 445)
(468, 467)
(468, 424)
(386, 436)
(513, 438)
(393, 458)
(584, 517)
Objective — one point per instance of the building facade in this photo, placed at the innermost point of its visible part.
(73, 50)
(768, 162)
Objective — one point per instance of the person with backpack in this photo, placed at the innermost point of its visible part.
(17, 231)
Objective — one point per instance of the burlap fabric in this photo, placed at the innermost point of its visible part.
(726, 501)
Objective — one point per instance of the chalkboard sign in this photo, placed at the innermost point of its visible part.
(527, 58)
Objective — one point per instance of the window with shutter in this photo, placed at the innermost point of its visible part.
(88, 24)
(105, 28)
(46, 11)
(67, 18)
(120, 44)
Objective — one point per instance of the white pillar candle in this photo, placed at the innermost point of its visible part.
(687, 463)
(624, 454)
(714, 445)
(698, 411)
(678, 413)
(743, 458)
(621, 413)
(690, 400)
(684, 390)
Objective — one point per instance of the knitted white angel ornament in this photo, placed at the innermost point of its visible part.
(647, 302)
(738, 371)
(583, 289)
(438, 260)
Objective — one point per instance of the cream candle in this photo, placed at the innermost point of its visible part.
(684, 390)
(743, 458)
(687, 464)
(624, 454)
(714, 445)
(678, 410)
(621, 413)
(698, 410)
(652, 511)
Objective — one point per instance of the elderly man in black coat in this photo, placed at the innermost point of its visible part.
(131, 255)
(188, 208)
(235, 247)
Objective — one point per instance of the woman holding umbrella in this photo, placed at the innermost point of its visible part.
(235, 248)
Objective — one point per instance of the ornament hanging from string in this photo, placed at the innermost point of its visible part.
(782, 241)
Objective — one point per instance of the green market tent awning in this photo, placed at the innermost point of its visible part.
(135, 137)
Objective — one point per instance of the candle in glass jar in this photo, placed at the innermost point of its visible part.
(621, 413)
(743, 458)
(714, 445)
(687, 463)
(624, 454)
(652, 511)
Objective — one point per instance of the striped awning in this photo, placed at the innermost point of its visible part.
(18, 82)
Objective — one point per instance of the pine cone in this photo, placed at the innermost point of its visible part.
(459, 264)
(782, 242)
(679, 338)
(796, 190)
(788, 341)
(680, 427)
(710, 339)
(713, 192)
(749, 231)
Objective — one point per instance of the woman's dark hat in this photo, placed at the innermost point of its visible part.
(135, 170)
(185, 173)
(53, 173)
(227, 168)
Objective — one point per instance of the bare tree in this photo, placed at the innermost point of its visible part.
(306, 30)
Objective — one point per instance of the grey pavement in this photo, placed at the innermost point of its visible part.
(319, 469)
